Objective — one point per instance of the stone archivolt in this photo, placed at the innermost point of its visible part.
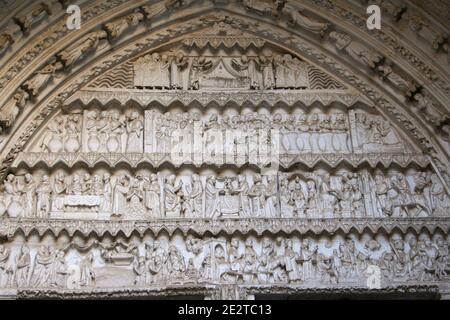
(150, 168)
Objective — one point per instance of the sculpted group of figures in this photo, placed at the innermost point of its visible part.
(157, 196)
(249, 261)
(240, 135)
(162, 71)
(105, 131)
(250, 133)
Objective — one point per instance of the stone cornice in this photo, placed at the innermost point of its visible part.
(167, 97)
(133, 160)
(201, 227)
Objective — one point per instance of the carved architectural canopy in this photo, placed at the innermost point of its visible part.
(224, 149)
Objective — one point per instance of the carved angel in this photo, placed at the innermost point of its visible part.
(154, 10)
(430, 111)
(25, 21)
(199, 65)
(425, 31)
(296, 17)
(76, 52)
(12, 109)
(356, 50)
(117, 27)
(262, 7)
(40, 79)
(399, 82)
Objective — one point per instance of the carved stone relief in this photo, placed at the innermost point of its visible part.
(245, 261)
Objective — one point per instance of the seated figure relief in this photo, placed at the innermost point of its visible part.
(373, 133)
(152, 196)
(161, 261)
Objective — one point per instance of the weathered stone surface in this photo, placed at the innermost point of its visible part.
(200, 148)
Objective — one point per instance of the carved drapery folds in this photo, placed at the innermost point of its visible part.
(156, 195)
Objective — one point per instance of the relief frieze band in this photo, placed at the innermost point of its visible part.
(187, 97)
(163, 261)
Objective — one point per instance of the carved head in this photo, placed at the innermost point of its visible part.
(287, 57)
(234, 243)
(219, 251)
(277, 118)
(28, 178)
(155, 56)
(92, 115)
(134, 115)
(24, 250)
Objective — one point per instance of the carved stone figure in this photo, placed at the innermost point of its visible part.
(290, 73)
(193, 198)
(154, 10)
(44, 191)
(135, 127)
(355, 50)
(266, 66)
(6, 40)
(42, 77)
(119, 197)
(43, 267)
(12, 197)
(75, 52)
(249, 66)
(152, 196)
(172, 199)
(198, 66)
(257, 196)
(12, 109)
(23, 267)
(429, 110)
(296, 17)
(178, 64)
(118, 27)
(26, 20)
(6, 273)
(426, 32)
(262, 7)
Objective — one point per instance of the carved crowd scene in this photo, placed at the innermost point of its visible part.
(154, 195)
(248, 261)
